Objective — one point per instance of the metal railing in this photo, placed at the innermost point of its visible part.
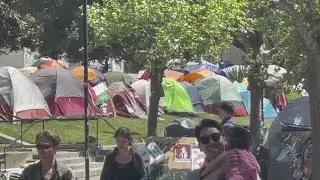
(14, 142)
(35, 121)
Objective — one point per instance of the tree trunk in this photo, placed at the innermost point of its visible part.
(156, 93)
(255, 120)
(313, 56)
(256, 41)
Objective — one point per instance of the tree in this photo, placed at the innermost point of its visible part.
(16, 31)
(295, 32)
(59, 26)
(158, 31)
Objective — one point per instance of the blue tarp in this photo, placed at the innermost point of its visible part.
(268, 110)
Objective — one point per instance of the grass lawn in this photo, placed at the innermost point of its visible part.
(73, 131)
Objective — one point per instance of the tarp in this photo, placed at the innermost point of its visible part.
(63, 92)
(215, 89)
(197, 74)
(194, 96)
(112, 77)
(268, 110)
(126, 101)
(181, 127)
(20, 97)
(176, 98)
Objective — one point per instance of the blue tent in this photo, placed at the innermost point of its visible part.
(268, 110)
(208, 66)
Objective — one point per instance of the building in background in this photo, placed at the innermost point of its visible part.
(18, 59)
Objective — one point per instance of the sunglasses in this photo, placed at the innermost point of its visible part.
(43, 146)
(215, 137)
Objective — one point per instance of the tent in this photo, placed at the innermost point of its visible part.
(143, 74)
(47, 62)
(176, 98)
(268, 110)
(94, 76)
(63, 92)
(208, 66)
(282, 146)
(173, 75)
(295, 113)
(112, 77)
(27, 71)
(181, 127)
(20, 97)
(194, 96)
(215, 89)
(197, 74)
(142, 88)
(126, 101)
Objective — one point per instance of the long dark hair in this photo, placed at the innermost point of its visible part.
(125, 132)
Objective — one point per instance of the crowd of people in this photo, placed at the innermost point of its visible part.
(225, 145)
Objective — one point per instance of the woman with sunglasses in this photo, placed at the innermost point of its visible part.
(123, 163)
(47, 144)
(211, 143)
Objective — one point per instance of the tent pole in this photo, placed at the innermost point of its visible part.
(85, 84)
(21, 132)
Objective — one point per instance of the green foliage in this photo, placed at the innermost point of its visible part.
(238, 74)
(17, 31)
(293, 95)
(49, 27)
(157, 31)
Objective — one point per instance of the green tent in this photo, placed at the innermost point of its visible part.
(176, 98)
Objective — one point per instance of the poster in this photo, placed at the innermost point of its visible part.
(182, 153)
(197, 158)
(155, 152)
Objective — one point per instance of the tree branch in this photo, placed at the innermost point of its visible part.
(285, 6)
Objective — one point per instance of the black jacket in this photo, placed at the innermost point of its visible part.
(109, 172)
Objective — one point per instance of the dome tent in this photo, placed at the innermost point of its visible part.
(176, 98)
(215, 89)
(20, 97)
(181, 127)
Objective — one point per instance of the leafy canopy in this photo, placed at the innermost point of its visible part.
(157, 31)
(17, 31)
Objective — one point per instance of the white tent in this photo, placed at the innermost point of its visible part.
(21, 95)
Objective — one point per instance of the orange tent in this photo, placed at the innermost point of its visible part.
(197, 74)
(78, 72)
(52, 63)
(173, 75)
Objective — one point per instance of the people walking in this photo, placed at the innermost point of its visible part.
(123, 163)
